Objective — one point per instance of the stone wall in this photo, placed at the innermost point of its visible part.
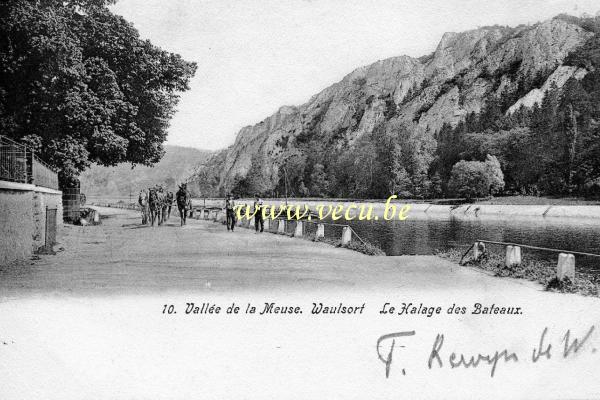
(23, 219)
(16, 225)
(43, 200)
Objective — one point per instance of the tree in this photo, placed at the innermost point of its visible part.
(494, 174)
(469, 179)
(472, 179)
(256, 178)
(79, 85)
(435, 188)
(319, 181)
(449, 145)
(291, 174)
(241, 186)
(400, 183)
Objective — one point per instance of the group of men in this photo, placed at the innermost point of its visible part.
(259, 223)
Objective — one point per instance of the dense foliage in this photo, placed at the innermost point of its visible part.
(79, 85)
(473, 179)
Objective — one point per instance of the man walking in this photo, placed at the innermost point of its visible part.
(170, 199)
(258, 217)
(229, 211)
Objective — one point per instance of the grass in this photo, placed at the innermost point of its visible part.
(540, 271)
(365, 248)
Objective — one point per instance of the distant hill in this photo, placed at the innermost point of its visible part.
(175, 167)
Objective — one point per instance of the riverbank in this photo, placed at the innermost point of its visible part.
(421, 210)
(539, 201)
(535, 270)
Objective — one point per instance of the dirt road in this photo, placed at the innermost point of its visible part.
(93, 322)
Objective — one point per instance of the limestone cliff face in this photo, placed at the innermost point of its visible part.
(422, 94)
(559, 77)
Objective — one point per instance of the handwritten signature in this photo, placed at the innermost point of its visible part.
(439, 358)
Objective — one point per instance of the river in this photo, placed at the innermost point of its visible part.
(425, 236)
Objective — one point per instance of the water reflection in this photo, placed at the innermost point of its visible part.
(424, 236)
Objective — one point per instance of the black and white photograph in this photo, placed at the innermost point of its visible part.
(299, 199)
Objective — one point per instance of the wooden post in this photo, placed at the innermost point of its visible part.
(320, 231)
(565, 267)
(298, 230)
(517, 255)
(508, 258)
(346, 235)
(513, 256)
(478, 250)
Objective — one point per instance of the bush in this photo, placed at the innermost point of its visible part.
(471, 179)
(543, 272)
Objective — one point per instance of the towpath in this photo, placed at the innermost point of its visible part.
(123, 256)
(88, 322)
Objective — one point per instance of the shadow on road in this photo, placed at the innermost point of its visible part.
(134, 226)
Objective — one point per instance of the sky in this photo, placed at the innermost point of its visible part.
(255, 56)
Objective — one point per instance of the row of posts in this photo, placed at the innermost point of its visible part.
(565, 268)
(218, 215)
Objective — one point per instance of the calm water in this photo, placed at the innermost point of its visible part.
(427, 235)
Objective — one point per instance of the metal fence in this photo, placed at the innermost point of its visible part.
(18, 163)
(43, 175)
(13, 161)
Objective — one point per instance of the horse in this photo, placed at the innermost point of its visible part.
(155, 203)
(163, 205)
(184, 202)
(143, 202)
(170, 197)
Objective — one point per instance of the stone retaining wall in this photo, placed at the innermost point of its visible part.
(467, 211)
(23, 219)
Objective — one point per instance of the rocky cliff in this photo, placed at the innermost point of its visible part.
(420, 94)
